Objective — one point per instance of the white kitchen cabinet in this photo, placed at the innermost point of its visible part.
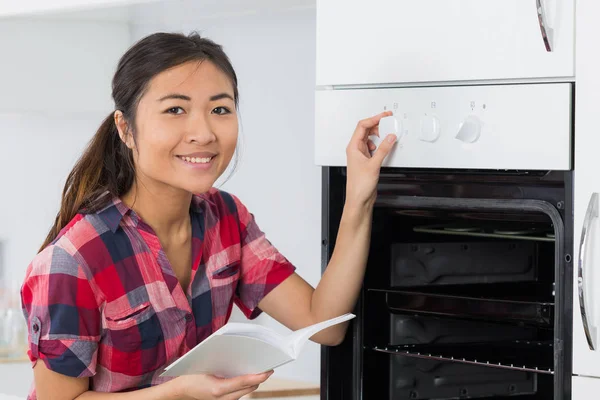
(586, 361)
(585, 388)
(385, 41)
(27, 7)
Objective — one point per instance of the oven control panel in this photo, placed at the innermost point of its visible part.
(508, 127)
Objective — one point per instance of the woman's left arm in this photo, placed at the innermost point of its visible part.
(294, 302)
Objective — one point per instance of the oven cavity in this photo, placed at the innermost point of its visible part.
(459, 299)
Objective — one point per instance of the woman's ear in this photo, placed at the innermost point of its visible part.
(123, 128)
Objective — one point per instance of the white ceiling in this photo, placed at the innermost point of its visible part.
(154, 11)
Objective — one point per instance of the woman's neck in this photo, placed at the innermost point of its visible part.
(165, 210)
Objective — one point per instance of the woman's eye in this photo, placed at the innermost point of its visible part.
(175, 110)
(221, 111)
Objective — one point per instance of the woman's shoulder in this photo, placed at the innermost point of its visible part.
(60, 256)
(81, 231)
(62, 267)
(77, 244)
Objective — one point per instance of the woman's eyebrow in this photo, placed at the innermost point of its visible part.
(188, 98)
(221, 96)
(175, 96)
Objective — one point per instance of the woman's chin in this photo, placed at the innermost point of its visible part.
(196, 185)
(199, 189)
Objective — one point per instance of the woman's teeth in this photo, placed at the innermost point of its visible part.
(197, 160)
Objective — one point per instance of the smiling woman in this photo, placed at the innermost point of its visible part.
(169, 129)
(146, 258)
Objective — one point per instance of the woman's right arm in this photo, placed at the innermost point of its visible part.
(196, 387)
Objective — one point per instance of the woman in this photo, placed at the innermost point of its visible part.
(146, 258)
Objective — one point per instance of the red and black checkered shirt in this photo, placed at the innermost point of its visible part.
(102, 300)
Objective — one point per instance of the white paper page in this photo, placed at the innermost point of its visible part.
(299, 338)
(228, 356)
(256, 331)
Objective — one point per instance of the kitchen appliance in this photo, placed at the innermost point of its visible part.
(480, 279)
(468, 290)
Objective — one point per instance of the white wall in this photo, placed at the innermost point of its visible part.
(273, 53)
(12, 8)
(55, 78)
(58, 67)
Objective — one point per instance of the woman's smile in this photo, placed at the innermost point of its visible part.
(198, 160)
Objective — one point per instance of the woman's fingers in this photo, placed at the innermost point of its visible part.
(240, 393)
(365, 126)
(228, 386)
(384, 149)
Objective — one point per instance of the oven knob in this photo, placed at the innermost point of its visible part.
(430, 128)
(389, 125)
(469, 130)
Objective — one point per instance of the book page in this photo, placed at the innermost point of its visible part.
(257, 332)
(228, 356)
(299, 338)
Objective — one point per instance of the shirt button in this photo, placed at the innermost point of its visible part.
(188, 317)
(36, 328)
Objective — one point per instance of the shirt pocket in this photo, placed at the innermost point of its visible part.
(227, 271)
(224, 268)
(134, 328)
(126, 318)
(132, 342)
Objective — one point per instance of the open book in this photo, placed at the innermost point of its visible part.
(241, 348)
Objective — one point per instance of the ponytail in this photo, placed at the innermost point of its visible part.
(106, 166)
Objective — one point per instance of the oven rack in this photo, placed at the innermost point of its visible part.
(486, 302)
(522, 355)
(534, 234)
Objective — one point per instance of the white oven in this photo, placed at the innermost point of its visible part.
(481, 87)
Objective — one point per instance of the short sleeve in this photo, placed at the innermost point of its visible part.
(263, 268)
(62, 314)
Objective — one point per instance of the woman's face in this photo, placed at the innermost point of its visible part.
(186, 127)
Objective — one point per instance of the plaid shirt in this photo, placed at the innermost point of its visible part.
(102, 300)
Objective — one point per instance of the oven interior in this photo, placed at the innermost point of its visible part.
(459, 303)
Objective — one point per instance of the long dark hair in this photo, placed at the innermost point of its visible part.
(106, 166)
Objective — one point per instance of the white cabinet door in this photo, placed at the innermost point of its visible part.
(586, 361)
(383, 41)
(585, 388)
(26, 7)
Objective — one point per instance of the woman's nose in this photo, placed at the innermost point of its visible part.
(200, 131)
